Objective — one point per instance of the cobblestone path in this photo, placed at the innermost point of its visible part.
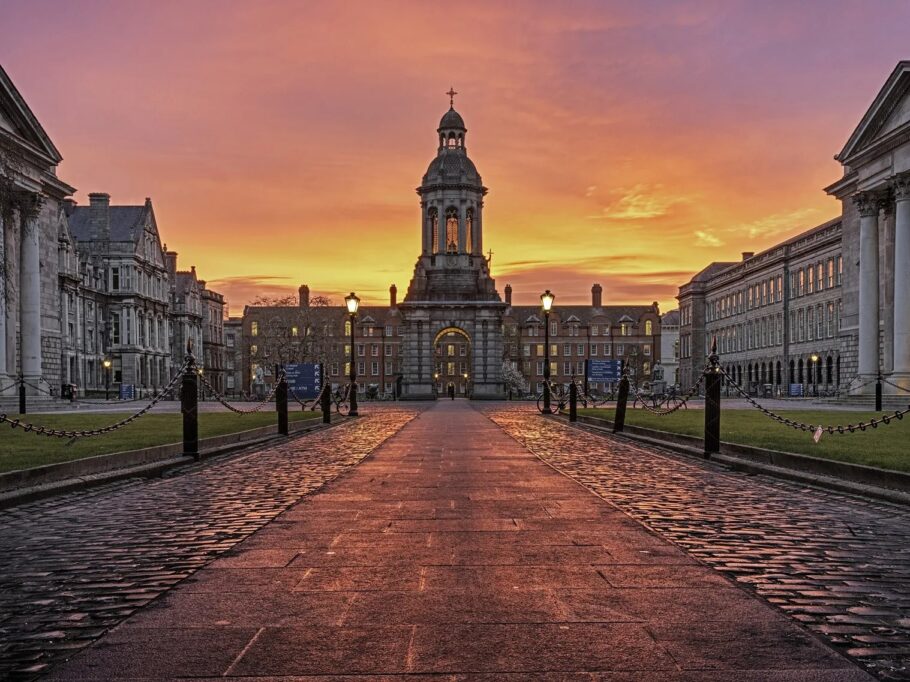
(838, 564)
(73, 566)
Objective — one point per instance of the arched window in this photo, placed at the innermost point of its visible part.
(777, 374)
(347, 327)
(451, 230)
(469, 231)
(433, 218)
(799, 373)
(648, 328)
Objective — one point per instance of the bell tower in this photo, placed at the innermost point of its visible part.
(452, 287)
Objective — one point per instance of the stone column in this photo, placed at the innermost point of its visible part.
(868, 205)
(463, 230)
(30, 292)
(4, 273)
(901, 354)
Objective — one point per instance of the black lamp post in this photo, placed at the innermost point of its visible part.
(546, 300)
(353, 303)
(107, 378)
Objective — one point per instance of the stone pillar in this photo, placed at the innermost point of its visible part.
(868, 205)
(462, 230)
(4, 273)
(30, 292)
(901, 353)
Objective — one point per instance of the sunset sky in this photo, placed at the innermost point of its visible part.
(623, 143)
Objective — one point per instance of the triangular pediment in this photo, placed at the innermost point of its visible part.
(18, 120)
(533, 319)
(888, 114)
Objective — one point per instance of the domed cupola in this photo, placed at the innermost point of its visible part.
(452, 192)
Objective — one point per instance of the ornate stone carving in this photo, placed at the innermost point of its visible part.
(900, 185)
(867, 203)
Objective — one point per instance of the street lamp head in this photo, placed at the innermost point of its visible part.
(814, 357)
(199, 371)
(107, 363)
(352, 302)
(465, 375)
(546, 300)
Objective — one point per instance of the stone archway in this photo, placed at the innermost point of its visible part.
(453, 362)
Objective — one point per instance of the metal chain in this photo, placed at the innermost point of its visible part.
(800, 426)
(897, 386)
(682, 399)
(73, 435)
(316, 400)
(221, 399)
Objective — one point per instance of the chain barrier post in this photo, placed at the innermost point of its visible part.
(189, 404)
(281, 400)
(326, 400)
(21, 395)
(619, 418)
(573, 402)
(878, 393)
(712, 402)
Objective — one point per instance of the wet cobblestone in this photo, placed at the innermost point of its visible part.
(838, 564)
(73, 566)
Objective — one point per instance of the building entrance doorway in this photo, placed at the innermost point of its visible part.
(452, 355)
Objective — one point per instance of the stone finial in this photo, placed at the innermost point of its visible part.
(508, 292)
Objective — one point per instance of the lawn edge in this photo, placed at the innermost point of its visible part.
(883, 484)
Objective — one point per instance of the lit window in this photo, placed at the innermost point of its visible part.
(254, 328)
(649, 329)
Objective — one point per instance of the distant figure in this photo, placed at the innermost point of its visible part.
(452, 391)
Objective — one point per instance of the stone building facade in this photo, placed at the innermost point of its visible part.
(32, 222)
(775, 315)
(875, 197)
(452, 330)
(838, 312)
(79, 285)
(669, 346)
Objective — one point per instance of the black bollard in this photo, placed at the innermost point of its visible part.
(573, 402)
(189, 406)
(712, 412)
(619, 418)
(878, 393)
(281, 404)
(326, 400)
(21, 396)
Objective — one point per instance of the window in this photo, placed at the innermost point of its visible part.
(567, 368)
(360, 368)
(840, 269)
(554, 368)
(554, 328)
(580, 350)
(802, 283)
(433, 220)
(620, 350)
(450, 369)
(374, 367)
(594, 330)
(593, 349)
(462, 350)
(254, 349)
(539, 369)
(567, 349)
(819, 278)
(294, 331)
(646, 349)
(539, 350)
(254, 328)
(580, 368)
(347, 327)
(810, 279)
(389, 368)
(374, 350)
(388, 330)
(810, 324)
(625, 329)
(347, 369)
(115, 328)
(115, 279)
(360, 350)
(526, 350)
(830, 281)
(554, 349)
(390, 349)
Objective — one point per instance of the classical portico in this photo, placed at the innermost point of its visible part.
(452, 286)
(875, 191)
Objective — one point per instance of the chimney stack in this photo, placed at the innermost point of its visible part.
(170, 259)
(100, 215)
(303, 296)
(393, 296)
(748, 254)
(597, 295)
(508, 294)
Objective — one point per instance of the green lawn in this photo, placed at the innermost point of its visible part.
(21, 450)
(885, 446)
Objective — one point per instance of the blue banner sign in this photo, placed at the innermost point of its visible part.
(127, 391)
(305, 379)
(796, 390)
(604, 370)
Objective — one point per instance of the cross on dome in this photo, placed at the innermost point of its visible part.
(451, 93)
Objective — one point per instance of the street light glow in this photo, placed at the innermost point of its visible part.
(353, 303)
(546, 300)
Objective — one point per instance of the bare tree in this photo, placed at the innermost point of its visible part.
(289, 333)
